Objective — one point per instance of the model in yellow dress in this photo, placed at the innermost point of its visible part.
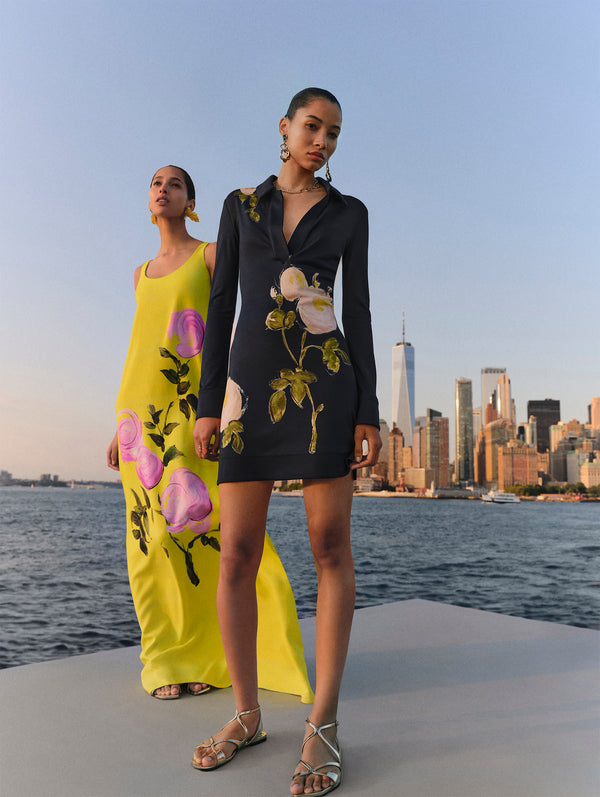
(171, 495)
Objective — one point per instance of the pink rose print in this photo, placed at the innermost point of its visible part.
(149, 467)
(185, 503)
(188, 326)
(129, 428)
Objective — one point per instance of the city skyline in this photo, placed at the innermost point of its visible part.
(470, 134)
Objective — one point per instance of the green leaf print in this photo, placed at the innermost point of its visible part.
(170, 454)
(158, 440)
(277, 405)
(232, 434)
(166, 353)
(171, 375)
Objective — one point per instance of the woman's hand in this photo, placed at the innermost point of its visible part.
(112, 453)
(206, 437)
(371, 434)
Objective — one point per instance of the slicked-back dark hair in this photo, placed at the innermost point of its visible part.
(189, 183)
(302, 99)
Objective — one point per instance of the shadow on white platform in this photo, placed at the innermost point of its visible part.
(437, 701)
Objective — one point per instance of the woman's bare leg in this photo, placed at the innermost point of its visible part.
(244, 507)
(328, 505)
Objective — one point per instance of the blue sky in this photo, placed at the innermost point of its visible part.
(470, 130)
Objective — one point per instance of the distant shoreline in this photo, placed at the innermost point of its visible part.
(543, 499)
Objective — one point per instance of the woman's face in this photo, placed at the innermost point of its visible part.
(312, 133)
(168, 193)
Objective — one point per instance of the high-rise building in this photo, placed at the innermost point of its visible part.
(463, 467)
(384, 431)
(504, 402)
(437, 444)
(494, 434)
(517, 464)
(477, 423)
(531, 432)
(403, 387)
(595, 414)
(395, 455)
(489, 383)
(418, 446)
(547, 413)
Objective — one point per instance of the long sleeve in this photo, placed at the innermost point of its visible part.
(356, 317)
(220, 317)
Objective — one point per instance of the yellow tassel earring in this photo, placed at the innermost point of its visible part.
(191, 214)
(153, 218)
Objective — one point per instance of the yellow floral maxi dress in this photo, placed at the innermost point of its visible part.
(173, 505)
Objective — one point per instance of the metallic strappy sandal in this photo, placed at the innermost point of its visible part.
(222, 759)
(336, 777)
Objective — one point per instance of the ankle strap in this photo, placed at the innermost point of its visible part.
(246, 711)
(318, 728)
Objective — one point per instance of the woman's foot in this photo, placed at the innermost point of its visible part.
(198, 688)
(168, 692)
(319, 770)
(244, 730)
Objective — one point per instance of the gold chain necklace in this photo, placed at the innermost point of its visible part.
(312, 187)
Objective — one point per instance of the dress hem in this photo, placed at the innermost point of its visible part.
(284, 467)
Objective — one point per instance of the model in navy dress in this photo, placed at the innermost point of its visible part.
(292, 398)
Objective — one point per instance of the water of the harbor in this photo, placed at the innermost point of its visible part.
(63, 574)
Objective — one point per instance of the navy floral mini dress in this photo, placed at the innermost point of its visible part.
(291, 388)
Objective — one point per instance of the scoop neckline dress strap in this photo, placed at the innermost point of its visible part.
(202, 245)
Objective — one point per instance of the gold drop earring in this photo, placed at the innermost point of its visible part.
(327, 173)
(284, 153)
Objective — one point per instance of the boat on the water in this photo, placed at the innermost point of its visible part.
(498, 497)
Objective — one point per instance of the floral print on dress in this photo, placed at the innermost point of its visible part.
(185, 502)
(249, 200)
(234, 406)
(314, 305)
(129, 431)
(314, 313)
(188, 325)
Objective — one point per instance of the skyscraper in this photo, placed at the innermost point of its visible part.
(436, 443)
(595, 414)
(504, 403)
(489, 383)
(547, 413)
(464, 430)
(403, 387)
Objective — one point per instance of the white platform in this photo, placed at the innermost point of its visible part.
(438, 701)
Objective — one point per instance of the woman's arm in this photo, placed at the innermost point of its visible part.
(356, 316)
(219, 320)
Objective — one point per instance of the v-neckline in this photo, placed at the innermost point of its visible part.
(301, 220)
